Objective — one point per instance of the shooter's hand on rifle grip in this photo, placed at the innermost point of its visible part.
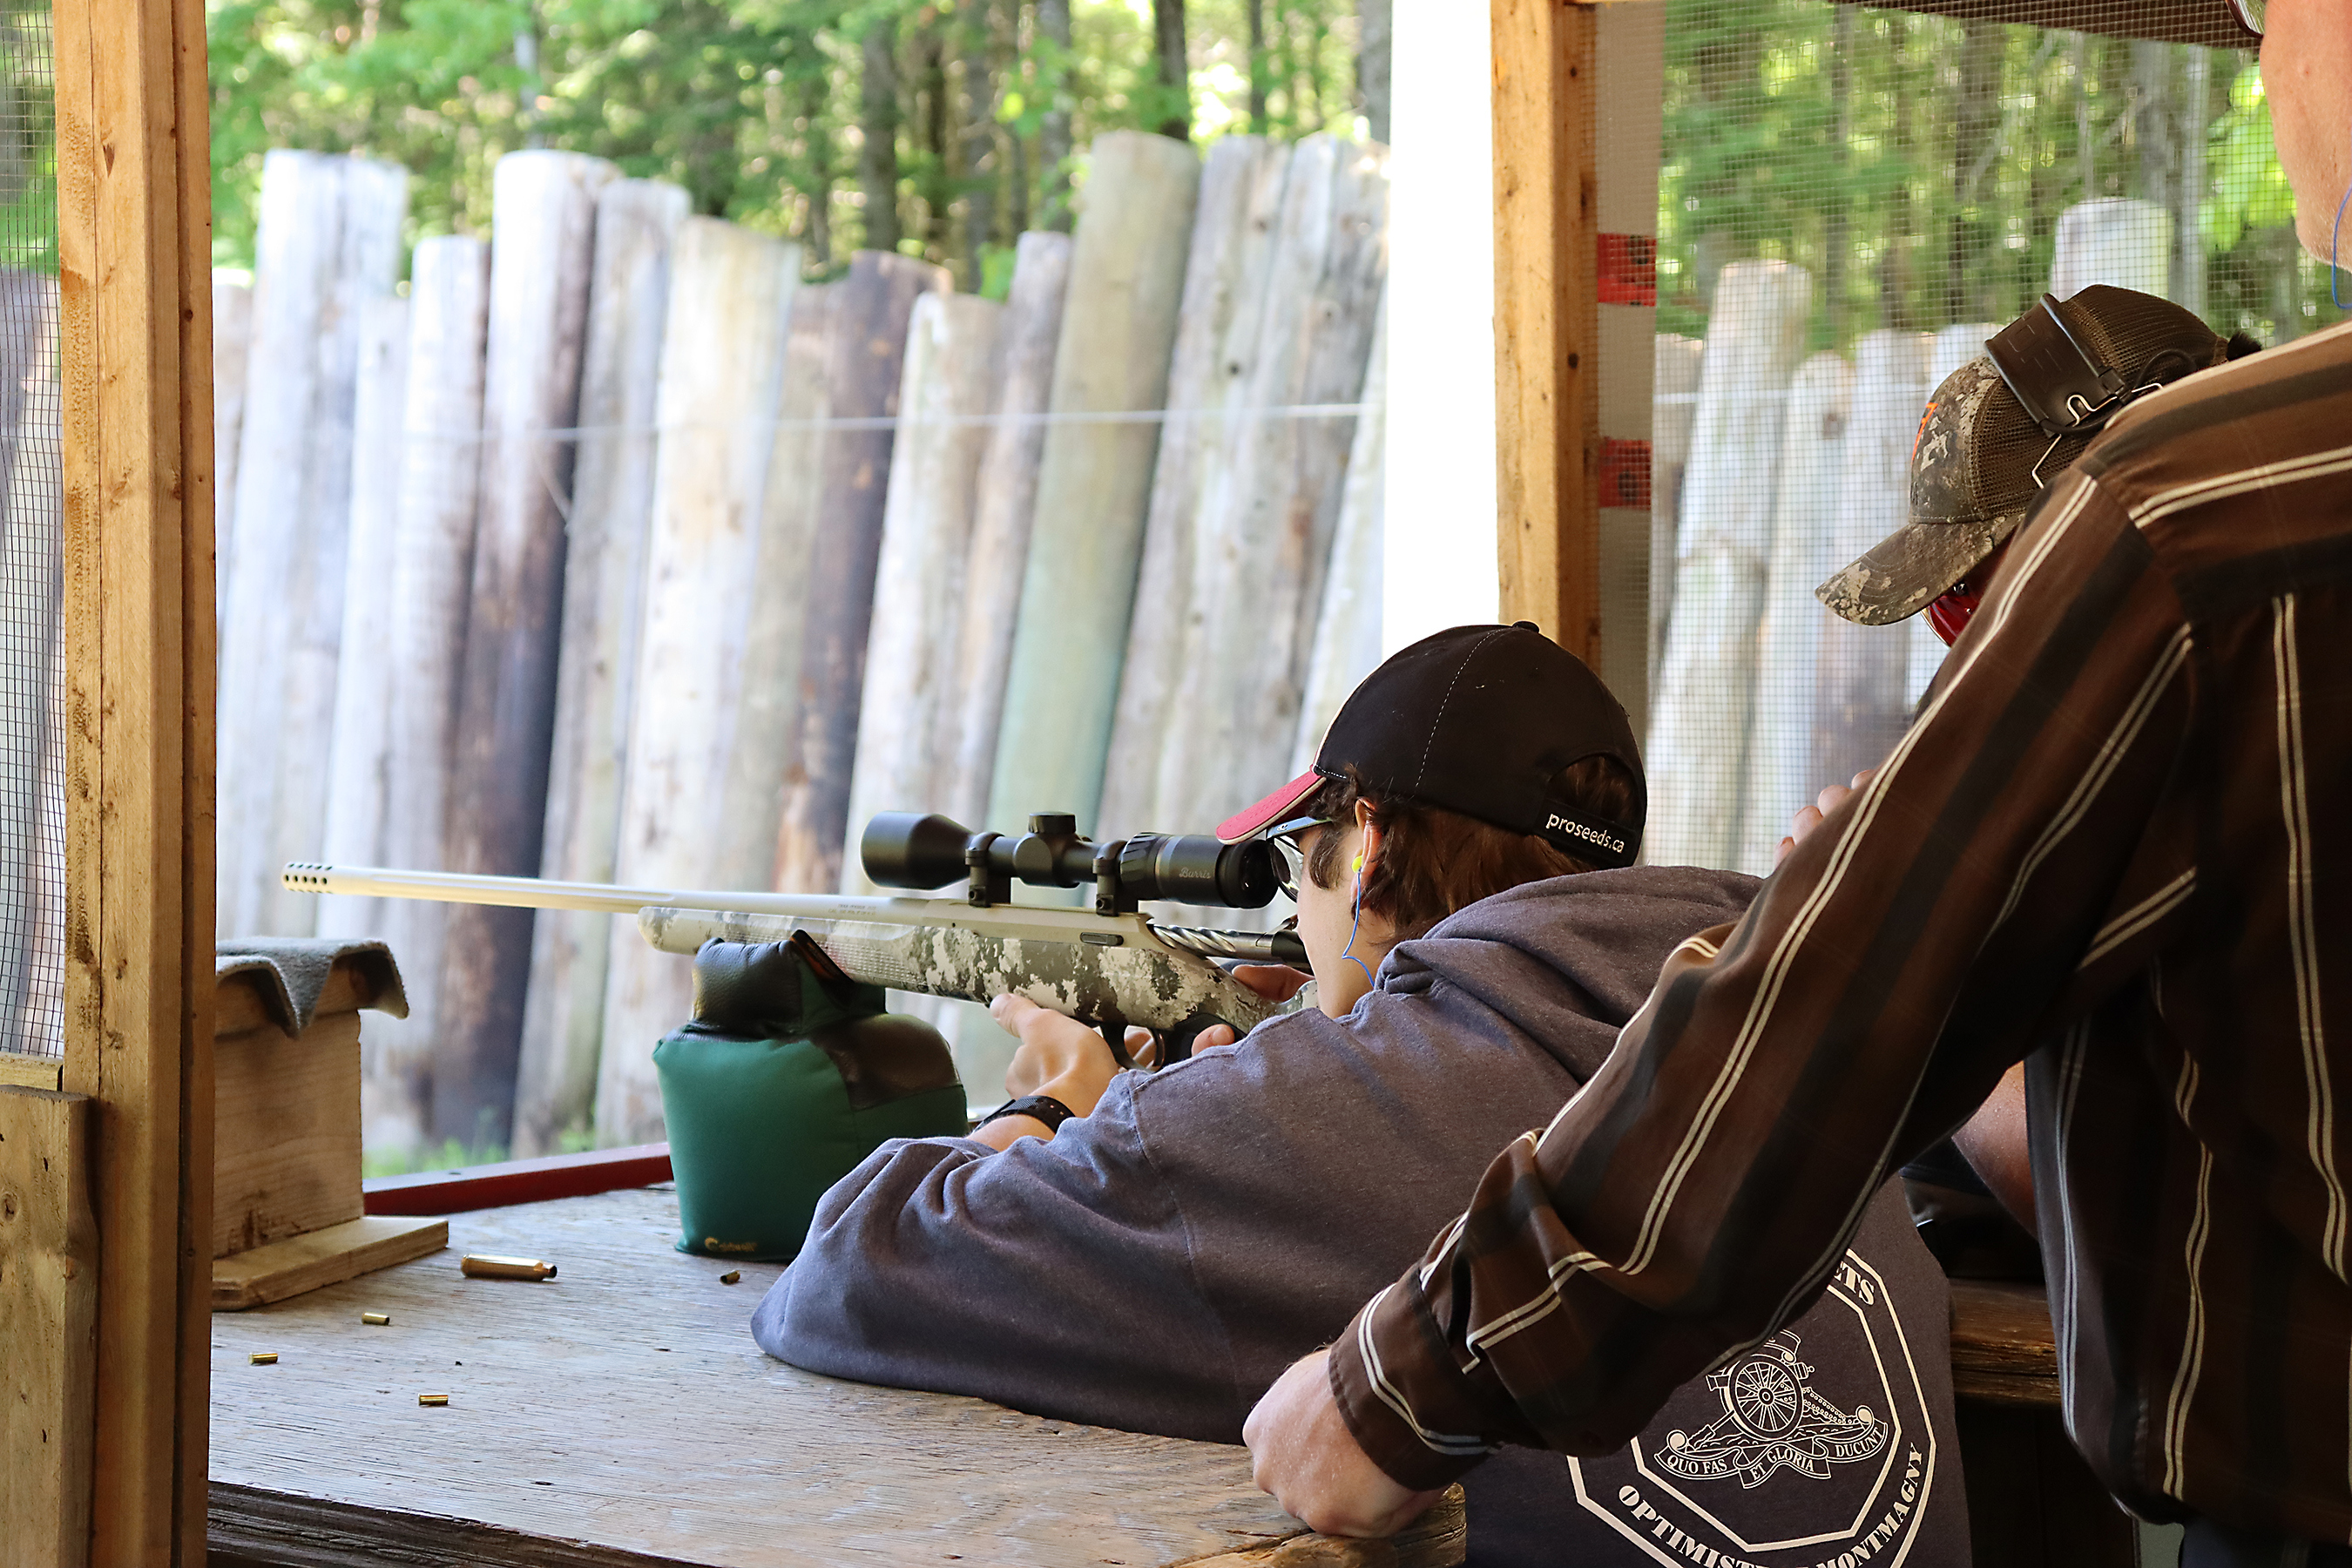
(1810, 817)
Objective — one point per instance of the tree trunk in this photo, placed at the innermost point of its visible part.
(2189, 190)
(1698, 730)
(1976, 124)
(544, 205)
(1859, 671)
(721, 373)
(871, 309)
(1836, 237)
(928, 61)
(1262, 540)
(1054, 126)
(329, 238)
(877, 122)
(1811, 489)
(1006, 507)
(1373, 32)
(918, 602)
(977, 153)
(1175, 73)
(603, 581)
(818, 245)
(1257, 64)
(432, 552)
(2154, 129)
(356, 774)
(1117, 327)
(1217, 325)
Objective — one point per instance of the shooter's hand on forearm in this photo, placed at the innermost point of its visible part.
(1302, 1452)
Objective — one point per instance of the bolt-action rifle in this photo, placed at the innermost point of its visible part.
(1107, 966)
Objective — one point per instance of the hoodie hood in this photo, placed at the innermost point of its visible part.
(1568, 961)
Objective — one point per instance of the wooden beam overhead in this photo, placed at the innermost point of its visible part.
(1547, 419)
(134, 255)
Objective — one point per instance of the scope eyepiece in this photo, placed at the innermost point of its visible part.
(917, 849)
(1197, 868)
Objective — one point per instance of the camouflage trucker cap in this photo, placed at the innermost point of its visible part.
(2005, 425)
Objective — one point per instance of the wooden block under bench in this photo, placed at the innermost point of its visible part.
(289, 1215)
(324, 1257)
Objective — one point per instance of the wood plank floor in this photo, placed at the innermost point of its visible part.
(620, 1414)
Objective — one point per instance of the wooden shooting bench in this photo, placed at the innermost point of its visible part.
(2031, 1498)
(619, 1414)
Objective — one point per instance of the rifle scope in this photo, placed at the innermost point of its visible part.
(911, 849)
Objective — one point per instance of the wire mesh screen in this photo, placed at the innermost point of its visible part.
(32, 795)
(1850, 202)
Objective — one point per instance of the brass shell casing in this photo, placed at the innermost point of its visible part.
(479, 1266)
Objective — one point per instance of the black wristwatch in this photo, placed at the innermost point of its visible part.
(1044, 1107)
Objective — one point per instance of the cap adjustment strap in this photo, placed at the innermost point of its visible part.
(1574, 831)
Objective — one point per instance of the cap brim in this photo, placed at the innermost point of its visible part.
(1906, 571)
(1257, 819)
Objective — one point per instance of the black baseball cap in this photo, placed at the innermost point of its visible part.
(1477, 719)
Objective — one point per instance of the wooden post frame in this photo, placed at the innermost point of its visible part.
(1547, 416)
(135, 274)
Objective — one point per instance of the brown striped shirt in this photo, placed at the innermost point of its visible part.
(2117, 843)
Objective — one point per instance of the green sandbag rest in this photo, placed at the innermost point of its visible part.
(783, 1083)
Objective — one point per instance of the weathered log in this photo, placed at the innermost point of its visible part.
(357, 775)
(1217, 328)
(433, 551)
(1127, 274)
(32, 798)
(1000, 522)
(543, 208)
(871, 307)
(1348, 630)
(1674, 405)
(2119, 240)
(721, 371)
(329, 238)
(1953, 347)
(767, 721)
(1264, 536)
(1805, 505)
(918, 586)
(1698, 728)
(232, 344)
(1858, 712)
(604, 577)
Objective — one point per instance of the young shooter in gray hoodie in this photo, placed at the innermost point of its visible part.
(1151, 1250)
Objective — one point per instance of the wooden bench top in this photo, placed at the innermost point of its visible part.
(620, 1414)
(2002, 1349)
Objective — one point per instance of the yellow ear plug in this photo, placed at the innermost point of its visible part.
(1359, 864)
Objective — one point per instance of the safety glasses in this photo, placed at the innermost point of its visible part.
(1290, 855)
(2250, 13)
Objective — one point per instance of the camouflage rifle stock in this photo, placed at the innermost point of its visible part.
(1108, 969)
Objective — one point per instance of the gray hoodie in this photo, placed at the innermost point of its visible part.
(1157, 1263)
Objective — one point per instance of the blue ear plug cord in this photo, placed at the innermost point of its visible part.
(1349, 953)
(2334, 245)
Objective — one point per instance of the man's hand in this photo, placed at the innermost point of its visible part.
(1059, 1056)
(1302, 1452)
(1810, 817)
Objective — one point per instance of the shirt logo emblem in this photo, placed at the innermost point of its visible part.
(1773, 1419)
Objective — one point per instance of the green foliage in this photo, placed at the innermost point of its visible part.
(751, 105)
(2251, 189)
(1917, 165)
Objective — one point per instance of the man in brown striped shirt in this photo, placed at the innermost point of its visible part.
(2114, 845)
